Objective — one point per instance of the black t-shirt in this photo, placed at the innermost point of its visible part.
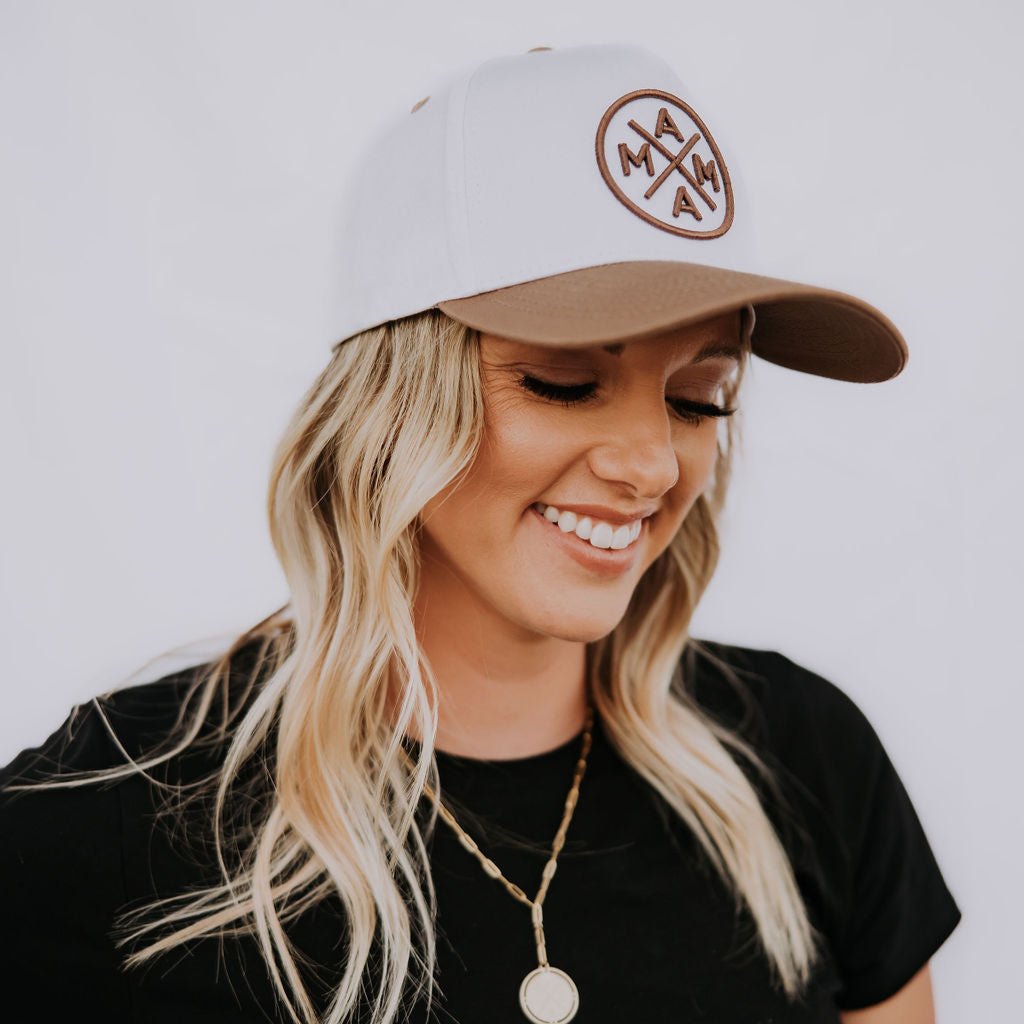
(634, 913)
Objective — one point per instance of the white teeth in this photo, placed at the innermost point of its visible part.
(621, 538)
(600, 535)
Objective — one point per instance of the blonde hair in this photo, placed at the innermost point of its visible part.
(344, 678)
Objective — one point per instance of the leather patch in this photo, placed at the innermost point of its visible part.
(660, 161)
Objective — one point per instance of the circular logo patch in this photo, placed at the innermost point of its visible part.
(660, 161)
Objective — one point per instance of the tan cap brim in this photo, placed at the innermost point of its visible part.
(798, 326)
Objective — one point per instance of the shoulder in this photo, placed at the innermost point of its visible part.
(775, 699)
(821, 757)
(861, 854)
(826, 759)
(74, 855)
(126, 722)
(79, 823)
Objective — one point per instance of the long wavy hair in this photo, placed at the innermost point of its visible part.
(342, 678)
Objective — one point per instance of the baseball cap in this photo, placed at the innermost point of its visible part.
(575, 196)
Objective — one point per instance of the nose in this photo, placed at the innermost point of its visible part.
(636, 447)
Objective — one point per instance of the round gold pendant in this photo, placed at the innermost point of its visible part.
(549, 996)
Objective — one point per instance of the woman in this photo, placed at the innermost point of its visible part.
(477, 769)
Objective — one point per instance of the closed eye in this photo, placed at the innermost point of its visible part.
(686, 409)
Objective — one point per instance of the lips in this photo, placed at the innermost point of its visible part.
(602, 561)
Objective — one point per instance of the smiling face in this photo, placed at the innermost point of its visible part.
(617, 435)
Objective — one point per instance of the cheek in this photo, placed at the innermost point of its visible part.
(516, 438)
(705, 455)
(521, 453)
(697, 456)
(514, 464)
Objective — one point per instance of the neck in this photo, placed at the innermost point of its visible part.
(505, 692)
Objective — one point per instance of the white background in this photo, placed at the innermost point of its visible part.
(168, 191)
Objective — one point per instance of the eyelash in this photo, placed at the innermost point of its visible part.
(575, 394)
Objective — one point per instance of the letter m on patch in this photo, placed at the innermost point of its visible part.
(639, 159)
(706, 172)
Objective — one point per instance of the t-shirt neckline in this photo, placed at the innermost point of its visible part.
(539, 760)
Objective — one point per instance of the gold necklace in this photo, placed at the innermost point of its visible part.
(547, 994)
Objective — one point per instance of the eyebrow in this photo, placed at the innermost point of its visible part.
(712, 350)
(719, 350)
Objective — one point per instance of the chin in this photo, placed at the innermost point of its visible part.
(581, 627)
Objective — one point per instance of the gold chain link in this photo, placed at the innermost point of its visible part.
(494, 871)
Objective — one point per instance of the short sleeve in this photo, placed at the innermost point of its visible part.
(896, 909)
